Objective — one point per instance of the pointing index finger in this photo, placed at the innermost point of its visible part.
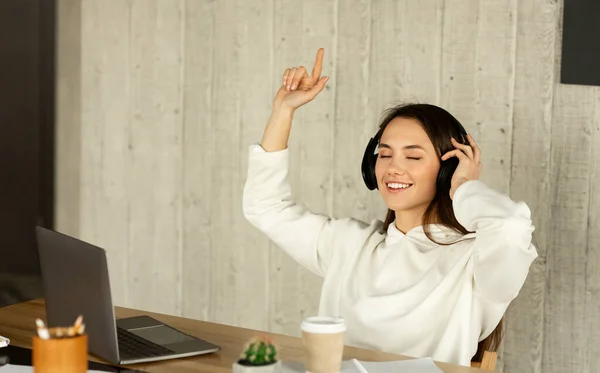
(316, 72)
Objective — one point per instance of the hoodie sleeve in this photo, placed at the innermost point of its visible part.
(268, 205)
(503, 251)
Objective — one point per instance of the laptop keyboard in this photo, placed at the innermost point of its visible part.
(133, 346)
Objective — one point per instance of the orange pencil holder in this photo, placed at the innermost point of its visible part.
(60, 355)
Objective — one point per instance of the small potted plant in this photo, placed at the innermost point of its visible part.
(259, 356)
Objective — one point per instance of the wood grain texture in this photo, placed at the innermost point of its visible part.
(68, 109)
(566, 331)
(156, 138)
(105, 119)
(257, 85)
(459, 61)
(285, 306)
(531, 139)
(198, 141)
(419, 47)
(18, 323)
(353, 126)
(226, 178)
(567, 240)
(495, 77)
(478, 75)
(300, 29)
(315, 138)
(592, 270)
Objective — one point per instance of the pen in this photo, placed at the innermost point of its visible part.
(359, 366)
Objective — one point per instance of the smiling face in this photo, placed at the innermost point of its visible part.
(407, 167)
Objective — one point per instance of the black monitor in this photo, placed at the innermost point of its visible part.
(20, 279)
(26, 142)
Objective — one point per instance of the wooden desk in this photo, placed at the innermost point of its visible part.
(17, 323)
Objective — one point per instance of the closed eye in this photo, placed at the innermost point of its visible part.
(415, 158)
(384, 156)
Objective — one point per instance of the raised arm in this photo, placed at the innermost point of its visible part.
(268, 203)
(269, 206)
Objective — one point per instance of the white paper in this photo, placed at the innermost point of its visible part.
(28, 369)
(293, 367)
(425, 365)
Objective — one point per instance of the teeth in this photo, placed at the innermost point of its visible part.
(398, 185)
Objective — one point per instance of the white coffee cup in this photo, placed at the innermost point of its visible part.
(323, 340)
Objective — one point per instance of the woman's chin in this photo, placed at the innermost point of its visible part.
(406, 205)
(401, 208)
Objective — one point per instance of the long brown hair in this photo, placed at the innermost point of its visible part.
(439, 126)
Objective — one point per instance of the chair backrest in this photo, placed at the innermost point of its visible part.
(488, 362)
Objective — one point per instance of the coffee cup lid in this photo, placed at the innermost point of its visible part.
(323, 324)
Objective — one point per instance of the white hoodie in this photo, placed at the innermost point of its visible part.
(402, 293)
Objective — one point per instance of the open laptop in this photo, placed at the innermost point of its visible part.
(76, 282)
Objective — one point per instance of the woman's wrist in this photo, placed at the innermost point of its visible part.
(281, 109)
(278, 129)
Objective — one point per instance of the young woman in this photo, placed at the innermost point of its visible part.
(436, 277)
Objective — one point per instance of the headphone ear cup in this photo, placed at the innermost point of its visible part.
(368, 165)
(445, 174)
(447, 168)
(373, 181)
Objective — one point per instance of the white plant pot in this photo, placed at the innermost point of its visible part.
(272, 368)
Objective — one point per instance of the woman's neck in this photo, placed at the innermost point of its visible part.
(407, 220)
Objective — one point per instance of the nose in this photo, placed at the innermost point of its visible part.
(395, 168)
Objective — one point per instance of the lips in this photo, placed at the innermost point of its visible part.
(397, 187)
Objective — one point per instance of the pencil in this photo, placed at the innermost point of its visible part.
(78, 324)
(42, 331)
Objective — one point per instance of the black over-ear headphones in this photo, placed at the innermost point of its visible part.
(447, 167)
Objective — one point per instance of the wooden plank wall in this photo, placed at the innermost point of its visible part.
(159, 99)
(535, 81)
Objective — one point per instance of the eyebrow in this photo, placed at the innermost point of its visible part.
(384, 145)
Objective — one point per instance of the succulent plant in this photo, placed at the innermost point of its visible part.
(259, 351)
